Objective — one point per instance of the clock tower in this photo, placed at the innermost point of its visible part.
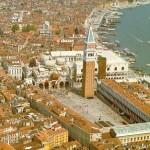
(89, 58)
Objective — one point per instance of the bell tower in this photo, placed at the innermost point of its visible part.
(89, 58)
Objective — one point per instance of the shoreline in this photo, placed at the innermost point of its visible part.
(133, 5)
(136, 71)
(134, 67)
(117, 9)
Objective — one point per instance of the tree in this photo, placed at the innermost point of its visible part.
(41, 85)
(57, 32)
(38, 11)
(32, 62)
(76, 30)
(28, 28)
(130, 1)
(46, 84)
(15, 27)
(1, 32)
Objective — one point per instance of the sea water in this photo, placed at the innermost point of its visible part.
(133, 32)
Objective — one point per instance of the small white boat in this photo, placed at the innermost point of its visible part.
(111, 29)
(148, 65)
(132, 60)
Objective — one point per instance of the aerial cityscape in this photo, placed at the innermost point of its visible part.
(74, 75)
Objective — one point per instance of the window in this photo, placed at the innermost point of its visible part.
(90, 54)
(115, 68)
(108, 69)
(122, 68)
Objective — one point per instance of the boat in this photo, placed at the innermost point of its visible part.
(131, 54)
(117, 13)
(138, 4)
(114, 9)
(103, 25)
(114, 17)
(117, 42)
(148, 65)
(111, 29)
(128, 53)
(103, 33)
(131, 60)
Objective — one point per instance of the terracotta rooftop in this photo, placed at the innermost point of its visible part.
(45, 135)
(115, 143)
(128, 95)
(106, 144)
(5, 146)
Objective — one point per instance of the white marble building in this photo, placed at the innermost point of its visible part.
(14, 68)
(45, 29)
(116, 67)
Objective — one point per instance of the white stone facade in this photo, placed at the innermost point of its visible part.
(15, 69)
(116, 67)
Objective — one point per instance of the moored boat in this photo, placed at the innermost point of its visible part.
(148, 65)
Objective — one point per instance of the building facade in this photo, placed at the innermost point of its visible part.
(45, 30)
(108, 65)
(14, 68)
(122, 99)
(132, 132)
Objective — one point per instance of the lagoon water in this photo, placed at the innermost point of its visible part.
(133, 32)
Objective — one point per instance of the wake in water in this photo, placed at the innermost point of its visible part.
(137, 39)
(148, 42)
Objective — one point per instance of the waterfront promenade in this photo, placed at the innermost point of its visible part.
(96, 20)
